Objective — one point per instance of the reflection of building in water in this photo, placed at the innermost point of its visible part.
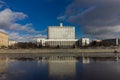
(3, 66)
(62, 59)
(62, 70)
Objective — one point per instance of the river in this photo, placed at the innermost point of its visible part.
(58, 70)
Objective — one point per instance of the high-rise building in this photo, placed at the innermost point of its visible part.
(61, 32)
(61, 36)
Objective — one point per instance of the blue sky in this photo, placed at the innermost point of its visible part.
(25, 19)
(40, 14)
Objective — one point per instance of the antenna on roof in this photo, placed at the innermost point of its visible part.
(61, 24)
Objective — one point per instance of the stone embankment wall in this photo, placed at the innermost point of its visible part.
(58, 50)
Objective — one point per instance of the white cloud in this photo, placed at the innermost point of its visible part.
(8, 20)
(20, 38)
(61, 18)
(23, 38)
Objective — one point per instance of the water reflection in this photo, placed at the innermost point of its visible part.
(101, 70)
(3, 69)
(58, 69)
(62, 70)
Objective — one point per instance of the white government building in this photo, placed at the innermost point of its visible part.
(62, 36)
(61, 32)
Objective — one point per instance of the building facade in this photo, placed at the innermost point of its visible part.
(61, 42)
(84, 42)
(3, 39)
(41, 41)
(63, 36)
(61, 32)
(12, 43)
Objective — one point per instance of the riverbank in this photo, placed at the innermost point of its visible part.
(58, 50)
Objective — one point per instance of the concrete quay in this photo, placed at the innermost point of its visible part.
(46, 53)
(62, 54)
(58, 50)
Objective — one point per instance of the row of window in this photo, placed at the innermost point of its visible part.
(53, 43)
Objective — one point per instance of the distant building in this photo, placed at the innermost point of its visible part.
(114, 42)
(96, 40)
(12, 42)
(84, 42)
(3, 39)
(96, 43)
(40, 41)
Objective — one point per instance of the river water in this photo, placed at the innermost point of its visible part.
(59, 70)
